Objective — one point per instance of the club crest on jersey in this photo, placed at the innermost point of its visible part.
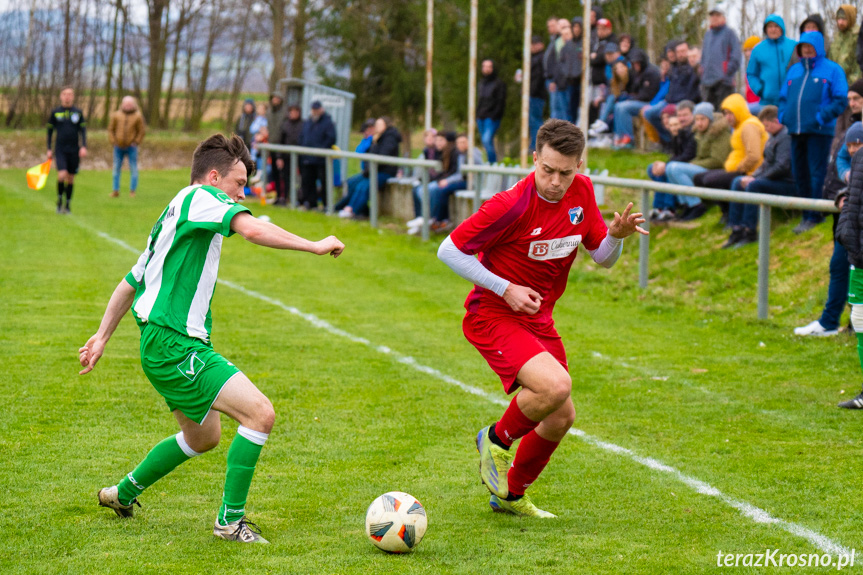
(576, 215)
(75, 117)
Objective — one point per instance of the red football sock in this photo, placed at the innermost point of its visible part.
(514, 424)
(530, 459)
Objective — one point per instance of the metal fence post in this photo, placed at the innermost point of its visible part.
(644, 241)
(426, 204)
(763, 259)
(373, 194)
(329, 186)
(294, 180)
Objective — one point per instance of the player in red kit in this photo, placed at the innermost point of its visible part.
(527, 238)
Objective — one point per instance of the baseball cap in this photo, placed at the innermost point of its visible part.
(604, 22)
(316, 105)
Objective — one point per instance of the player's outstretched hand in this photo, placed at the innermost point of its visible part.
(627, 224)
(330, 245)
(90, 354)
(522, 299)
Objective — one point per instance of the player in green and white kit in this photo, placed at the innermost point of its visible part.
(169, 291)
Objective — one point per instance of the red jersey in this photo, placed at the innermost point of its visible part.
(530, 241)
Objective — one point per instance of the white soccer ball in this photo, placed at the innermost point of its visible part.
(396, 522)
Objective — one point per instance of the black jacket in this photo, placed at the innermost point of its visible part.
(244, 123)
(644, 85)
(683, 84)
(777, 158)
(598, 63)
(387, 145)
(491, 97)
(290, 134)
(537, 76)
(833, 183)
(564, 68)
(849, 230)
(683, 146)
(70, 124)
(318, 134)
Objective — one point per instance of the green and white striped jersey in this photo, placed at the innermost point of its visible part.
(175, 277)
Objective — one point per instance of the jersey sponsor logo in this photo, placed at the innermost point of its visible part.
(224, 198)
(576, 215)
(536, 232)
(75, 117)
(191, 366)
(557, 248)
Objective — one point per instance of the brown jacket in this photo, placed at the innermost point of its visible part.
(126, 128)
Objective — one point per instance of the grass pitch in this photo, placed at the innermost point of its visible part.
(681, 373)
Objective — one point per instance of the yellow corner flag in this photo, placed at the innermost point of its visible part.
(38, 175)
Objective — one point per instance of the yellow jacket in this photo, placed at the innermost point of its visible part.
(747, 139)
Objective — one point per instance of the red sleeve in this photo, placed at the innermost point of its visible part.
(598, 230)
(488, 226)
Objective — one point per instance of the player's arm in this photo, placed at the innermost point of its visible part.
(83, 129)
(519, 298)
(120, 302)
(272, 236)
(50, 136)
(623, 226)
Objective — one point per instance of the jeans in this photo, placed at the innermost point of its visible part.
(623, 114)
(837, 293)
(359, 191)
(440, 199)
(607, 107)
(536, 108)
(560, 104)
(661, 200)
(809, 154)
(746, 215)
(653, 114)
(487, 130)
(681, 173)
(132, 153)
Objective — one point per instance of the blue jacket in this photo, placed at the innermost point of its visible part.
(320, 134)
(815, 92)
(769, 63)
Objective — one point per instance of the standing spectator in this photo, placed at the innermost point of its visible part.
(849, 233)
(812, 23)
(491, 103)
(835, 183)
(275, 112)
(318, 132)
(645, 86)
(564, 63)
(578, 40)
(385, 142)
(599, 77)
(290, 134)
(752, 100)
(551, 27)
(683, 85)
(260, 120)
(747, 147)
(243, 127)
(720, 59)
(538, 93)
(769, 61)
(842, 49)
(71, 145)
(809, 108)
(773, 176)
(713, 144)
(125, 133)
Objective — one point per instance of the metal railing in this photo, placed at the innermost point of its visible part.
(372, 159)
(765, 202)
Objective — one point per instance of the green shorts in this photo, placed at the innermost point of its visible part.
(184, 370)
(855, 287)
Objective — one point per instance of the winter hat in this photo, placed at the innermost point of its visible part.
(854, 135)
(670, 109)
(705, 109)
(751, 42)
(611, 48)
(856, 87)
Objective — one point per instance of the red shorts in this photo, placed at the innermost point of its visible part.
(507, 344)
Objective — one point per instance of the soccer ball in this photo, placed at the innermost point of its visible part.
(396, 522)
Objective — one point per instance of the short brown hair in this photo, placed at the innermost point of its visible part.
(561, 136)
(768, 114)
(220, 153)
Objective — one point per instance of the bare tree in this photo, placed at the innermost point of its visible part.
(157, 14)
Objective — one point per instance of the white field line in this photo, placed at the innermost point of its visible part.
(754, 513)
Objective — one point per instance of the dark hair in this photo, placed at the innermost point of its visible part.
(293, 107)
(561, 136)
(220, 153)
(768, 113)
